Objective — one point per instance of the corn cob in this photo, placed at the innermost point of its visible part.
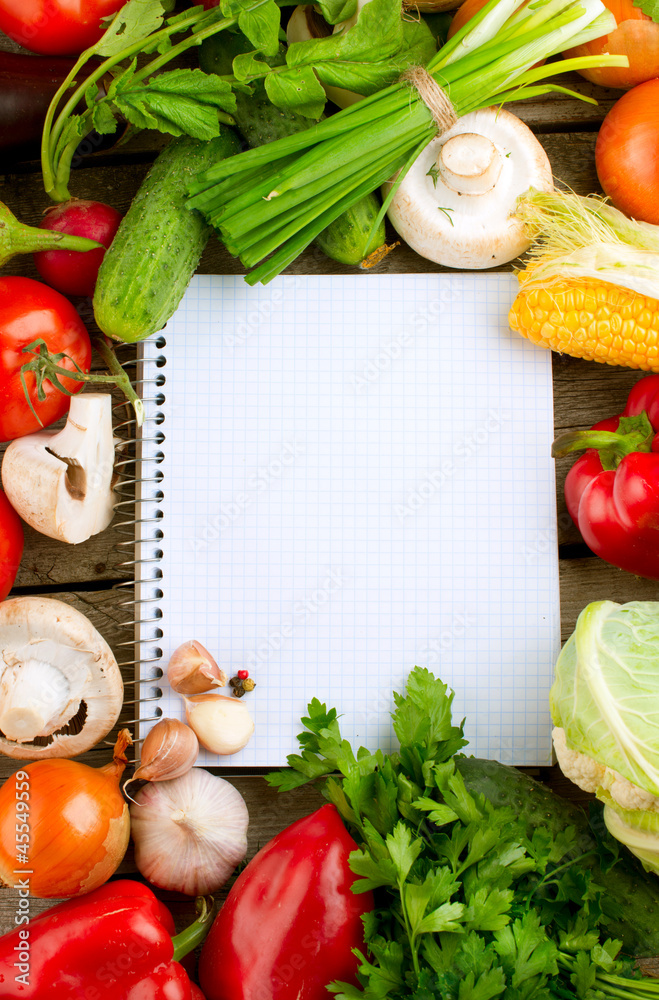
(590, 319)
(591, 286)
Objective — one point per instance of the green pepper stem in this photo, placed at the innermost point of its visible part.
(193, 935)
(634, 434)
(581, 440)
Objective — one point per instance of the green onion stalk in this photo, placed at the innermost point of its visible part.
(270, 203)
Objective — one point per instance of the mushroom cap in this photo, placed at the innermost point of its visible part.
(42, 630)
(455, 226)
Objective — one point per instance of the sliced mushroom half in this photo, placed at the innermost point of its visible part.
(60, 687)
(61, 482)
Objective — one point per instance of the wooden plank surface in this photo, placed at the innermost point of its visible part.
(86, 576)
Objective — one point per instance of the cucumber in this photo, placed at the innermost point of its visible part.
(633, 892)
(157, 248)
(259, 121)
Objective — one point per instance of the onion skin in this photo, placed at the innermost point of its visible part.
(79, 825)
(627, 153)
(637, 37)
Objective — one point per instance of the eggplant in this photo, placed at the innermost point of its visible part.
(27, 85)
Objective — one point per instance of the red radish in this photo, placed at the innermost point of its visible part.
(69, 271)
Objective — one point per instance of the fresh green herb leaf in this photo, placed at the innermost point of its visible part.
(181, 101)
(403, 849)
(247, 66)
(372, 874)
(528, 956)
(446, 212)
(261, 25)
(135, 21)
(488, 909)
(357, 59)
(434, 174)
(336, 11)
(103, 118)
(298, 90)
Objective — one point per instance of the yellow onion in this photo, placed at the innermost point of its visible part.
(78, 825)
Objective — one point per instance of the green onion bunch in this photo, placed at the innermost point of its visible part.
(270, 202)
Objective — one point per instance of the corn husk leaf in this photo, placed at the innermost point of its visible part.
(586, 237)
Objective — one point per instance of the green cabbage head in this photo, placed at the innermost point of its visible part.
(606, 689)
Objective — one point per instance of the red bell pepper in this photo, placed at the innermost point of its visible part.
(612, 492)
(290, 921)
(115, 943)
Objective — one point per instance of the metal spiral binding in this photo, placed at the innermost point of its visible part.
(131, 490)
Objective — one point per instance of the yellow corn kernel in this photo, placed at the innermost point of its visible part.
(590, 319)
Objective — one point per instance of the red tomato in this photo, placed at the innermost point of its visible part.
(627, 153)
(11, 545)
(56, 27)
(70, 271)
(637, 37)
(29, 311)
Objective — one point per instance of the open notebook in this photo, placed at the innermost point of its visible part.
(356, 478)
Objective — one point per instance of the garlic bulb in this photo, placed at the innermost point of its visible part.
(170, 749)
(192, 669)
(190, 832)
(223, 725)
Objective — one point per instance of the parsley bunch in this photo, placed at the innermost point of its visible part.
(471, 902)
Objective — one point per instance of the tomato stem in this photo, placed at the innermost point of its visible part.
(45, 365)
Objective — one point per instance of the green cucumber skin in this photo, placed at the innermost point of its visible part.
(625, 883)
(157, 248)
(259, 121)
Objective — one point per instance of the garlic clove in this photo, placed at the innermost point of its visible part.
(169, 751)
(190, 832)
(192, 669)
(223, 725)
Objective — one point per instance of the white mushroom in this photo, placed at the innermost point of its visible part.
(61, 482)
(60, 686)
(456, 204)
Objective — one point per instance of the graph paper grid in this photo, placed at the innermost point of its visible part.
(356, 478)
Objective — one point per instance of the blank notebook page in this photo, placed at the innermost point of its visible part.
(357, 479)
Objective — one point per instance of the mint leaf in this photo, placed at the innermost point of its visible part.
(297, 90)
(182, 101)
(649, 7)
(261, 25)
(135, 21)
